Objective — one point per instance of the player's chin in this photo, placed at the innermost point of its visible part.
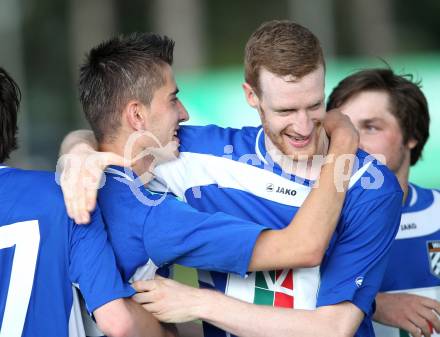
(299, 154)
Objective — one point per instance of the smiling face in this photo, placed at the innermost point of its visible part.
(379, 130)
(291, 111)
(165, 112)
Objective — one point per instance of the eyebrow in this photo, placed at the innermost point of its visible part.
(371, 120)
(321, 101)
(284, 109)
(281, 109)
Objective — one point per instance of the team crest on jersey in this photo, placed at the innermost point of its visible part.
(434, 257)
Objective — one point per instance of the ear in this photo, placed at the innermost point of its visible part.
(251, 96)
(134, 114)
(412, 143)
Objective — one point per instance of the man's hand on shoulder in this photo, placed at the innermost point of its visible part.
(79, 170)
(416, 314)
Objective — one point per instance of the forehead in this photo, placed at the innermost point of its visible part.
(288, 89)
(369, 105)
(168, 73)
(169, 86)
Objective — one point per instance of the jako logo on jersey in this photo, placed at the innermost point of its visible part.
(283, 190)
(407, 226)
(359, 280)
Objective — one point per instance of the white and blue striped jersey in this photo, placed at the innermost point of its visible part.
(414, 262)
(150, 231)
(42, 252)
(230, 170)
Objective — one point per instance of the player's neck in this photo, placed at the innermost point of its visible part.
(402, 175)
(306, 168)
(142, 167)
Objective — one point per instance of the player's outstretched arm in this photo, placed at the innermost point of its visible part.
(124, 317)
(80, 168)
(409, 312)
(304, 241)
(170, 301)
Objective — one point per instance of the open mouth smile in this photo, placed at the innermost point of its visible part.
(299, 141)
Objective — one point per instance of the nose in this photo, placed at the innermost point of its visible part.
(302, 123)
(183, 114)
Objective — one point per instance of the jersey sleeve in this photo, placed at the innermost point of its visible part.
(172, 176)
(354, 269)
(176, 232)
(93, 265)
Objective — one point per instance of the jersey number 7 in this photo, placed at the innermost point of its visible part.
(26, 238)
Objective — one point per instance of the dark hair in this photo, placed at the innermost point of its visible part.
(120, 69)
(407, 102)
(283, 48)
(10, 97)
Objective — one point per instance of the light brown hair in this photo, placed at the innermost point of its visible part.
(283, 48)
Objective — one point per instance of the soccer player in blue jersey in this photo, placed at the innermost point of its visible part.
(392, 116)
(42, 252)
(285, 83)
(151, 225)
(160, 230)
(264, 175)
(144, 99)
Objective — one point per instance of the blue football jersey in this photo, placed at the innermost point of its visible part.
(414, 262)
(230, 170)
(42, 252)
(151, 230)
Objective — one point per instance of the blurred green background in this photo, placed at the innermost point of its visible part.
(44, 41)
